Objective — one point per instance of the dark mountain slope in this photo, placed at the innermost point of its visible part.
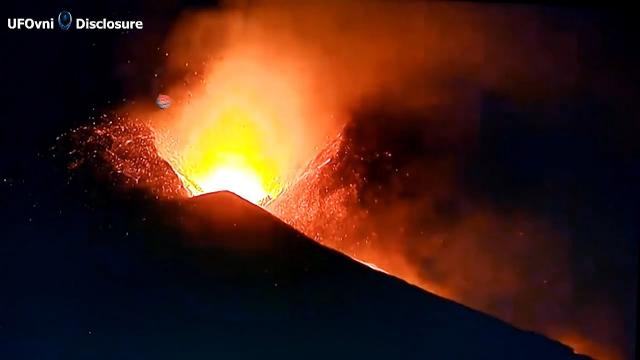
(217, 277)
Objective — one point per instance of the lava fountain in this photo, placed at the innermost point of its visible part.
(237, 130)
(230, 153)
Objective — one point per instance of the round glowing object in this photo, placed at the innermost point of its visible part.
(163, 101)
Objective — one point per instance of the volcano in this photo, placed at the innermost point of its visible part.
(216, 276)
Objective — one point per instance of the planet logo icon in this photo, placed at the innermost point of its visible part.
(64, 20)
(163, 101)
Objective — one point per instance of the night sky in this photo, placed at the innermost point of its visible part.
(582, 170)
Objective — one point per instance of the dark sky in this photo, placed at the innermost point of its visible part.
(588, 161)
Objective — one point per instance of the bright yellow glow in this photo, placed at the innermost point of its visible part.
(231, 152)
(245, 129)
(242, 182)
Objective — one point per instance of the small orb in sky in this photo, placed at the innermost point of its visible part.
(163, 101)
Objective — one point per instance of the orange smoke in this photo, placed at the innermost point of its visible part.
(265, 85)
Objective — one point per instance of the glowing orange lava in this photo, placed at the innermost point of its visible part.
(244, 183)
(238, 132)
(230, 153)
